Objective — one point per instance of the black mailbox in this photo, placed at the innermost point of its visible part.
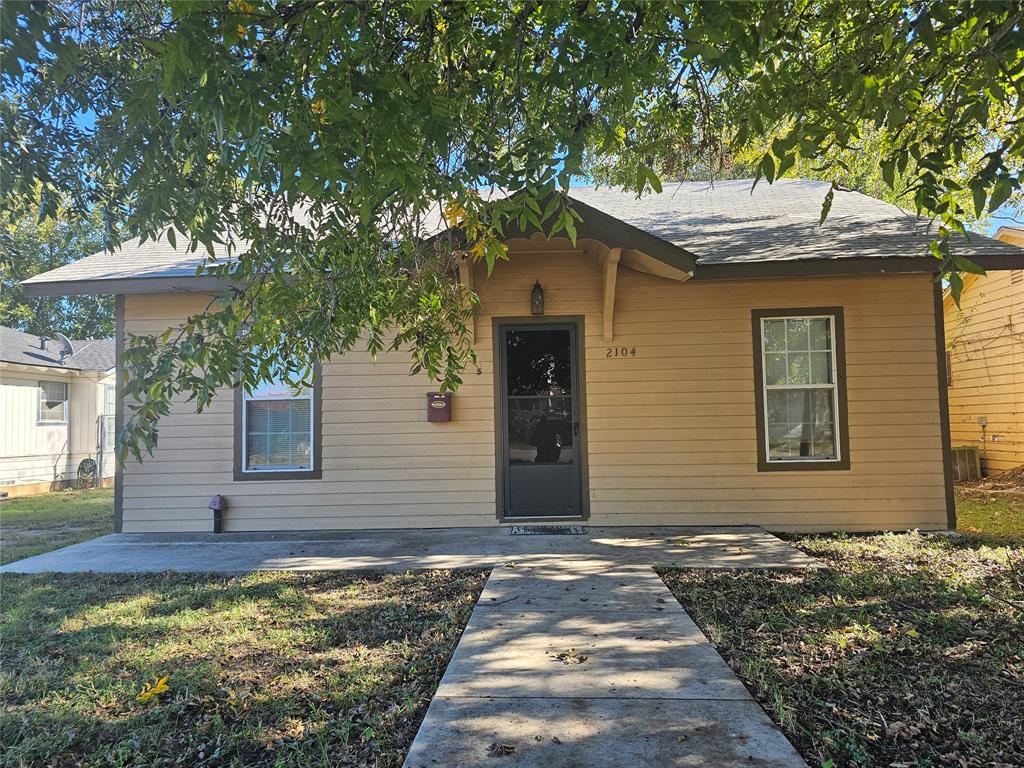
(439, 407)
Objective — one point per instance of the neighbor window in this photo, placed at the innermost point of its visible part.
(801, 401)
(277, 432)
(53, 401)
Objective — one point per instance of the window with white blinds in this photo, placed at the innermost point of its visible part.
(277, 425)
(800, 393)
(53, 402)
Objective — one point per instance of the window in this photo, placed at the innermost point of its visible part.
(277, 432)
(109, 399)
(53, 402)
(801, 396)
(108, 430)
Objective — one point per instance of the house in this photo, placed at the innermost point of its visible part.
(705, 356)
(985, 350)
(57, 402)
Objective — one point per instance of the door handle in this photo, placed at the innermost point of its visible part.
(575, 428)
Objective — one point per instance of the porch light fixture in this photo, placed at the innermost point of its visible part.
(537, 299)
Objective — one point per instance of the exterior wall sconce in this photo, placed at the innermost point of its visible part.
(537, 299)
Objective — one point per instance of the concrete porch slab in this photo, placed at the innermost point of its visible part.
(599, 550)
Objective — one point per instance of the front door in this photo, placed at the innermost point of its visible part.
(539, 381)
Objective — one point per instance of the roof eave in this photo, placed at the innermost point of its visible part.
(43, 368)
(868, 265)
(597, 225)
(124, 285)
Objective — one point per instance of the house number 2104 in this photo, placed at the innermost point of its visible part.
(620, 352)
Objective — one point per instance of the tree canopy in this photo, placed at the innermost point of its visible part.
(318, 137)
(31, 246)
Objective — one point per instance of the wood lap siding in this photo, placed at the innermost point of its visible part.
(985, 339)
(383, 465)
(670, 432)
(673, 441)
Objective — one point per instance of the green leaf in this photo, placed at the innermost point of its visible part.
(889, 173)
(653, 180)
(826, 205)
(1001, 192)
(570, 228)
(980, 195)
(956, 286)
(963, 264)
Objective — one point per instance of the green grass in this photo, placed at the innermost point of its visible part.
(994, 514)
(274, 669)
(32, 525)
(905, 651)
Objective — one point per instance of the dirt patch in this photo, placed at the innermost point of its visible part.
(1011, 481)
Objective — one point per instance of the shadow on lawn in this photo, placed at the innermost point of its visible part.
(906, 650)
(269, 669)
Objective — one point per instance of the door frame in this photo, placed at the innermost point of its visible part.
(498, 324)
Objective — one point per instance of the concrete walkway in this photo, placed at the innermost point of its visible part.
(573, 664)
(576, 654)
(417, 548)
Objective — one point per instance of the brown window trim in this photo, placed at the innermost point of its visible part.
(842, 417)
(299, 474)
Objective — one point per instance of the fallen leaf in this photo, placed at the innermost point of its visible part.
(572, 656)
(152, 691)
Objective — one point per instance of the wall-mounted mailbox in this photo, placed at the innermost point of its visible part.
(439, 407)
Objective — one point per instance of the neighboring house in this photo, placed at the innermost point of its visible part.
(985, 350)
(704, 357)
(57, 402)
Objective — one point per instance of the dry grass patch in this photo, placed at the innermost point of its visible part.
(271, 669)
(31, 525)
(906, 651)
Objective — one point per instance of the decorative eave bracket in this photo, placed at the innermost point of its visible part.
(609, 263)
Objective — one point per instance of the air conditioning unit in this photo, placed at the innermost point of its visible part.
(966, 463)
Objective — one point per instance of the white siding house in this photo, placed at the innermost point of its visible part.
(56, 410)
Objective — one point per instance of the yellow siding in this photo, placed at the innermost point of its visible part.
(671, 433)
(984, 339)
(33, 453)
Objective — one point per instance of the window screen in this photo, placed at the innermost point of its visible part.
(53, 401)
(800, 394)
(278, 428)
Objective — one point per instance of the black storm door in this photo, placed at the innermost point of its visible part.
(540, 420)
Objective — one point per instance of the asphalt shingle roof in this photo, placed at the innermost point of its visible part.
(723, 223)
(24, 348)
(726, 223)
(132, 259)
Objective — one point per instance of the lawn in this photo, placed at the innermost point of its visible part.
(272, 669)
(905, 651)
(997, 514)
(34, 524)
